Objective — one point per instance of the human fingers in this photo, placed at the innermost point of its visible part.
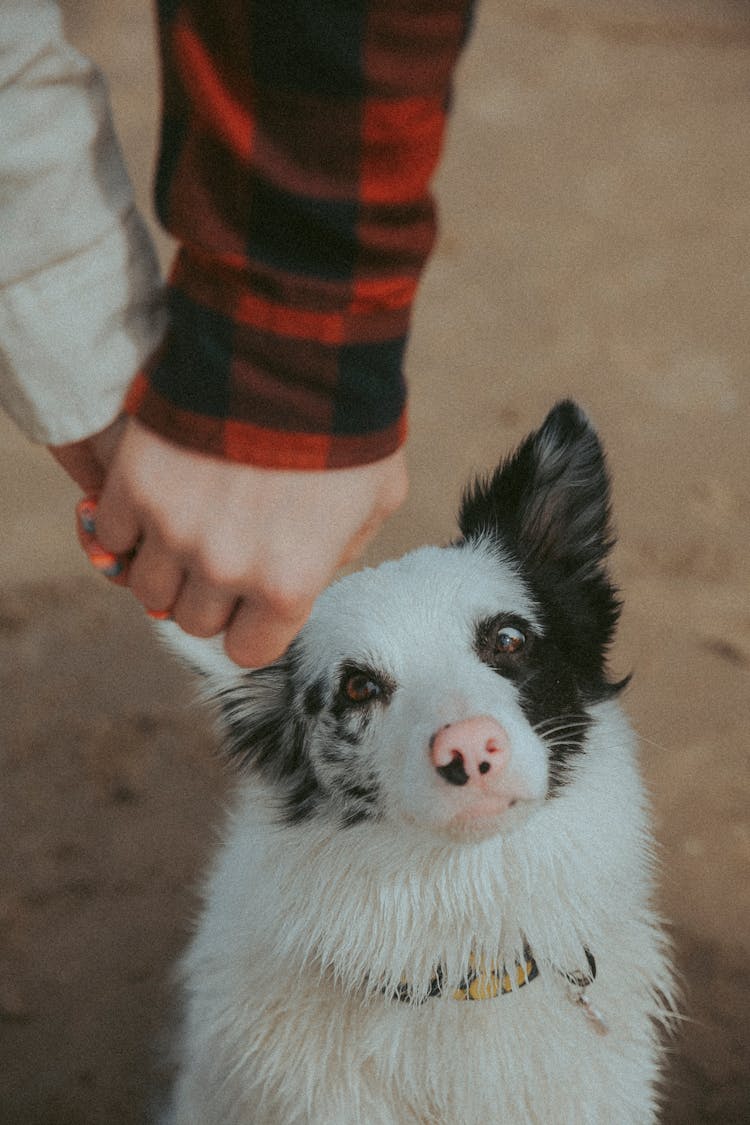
(111, 566)
(351, 506)
(119, 522)
(202, 609)
(261, 616)
(155, 575)
(229, 527)
(255, 637)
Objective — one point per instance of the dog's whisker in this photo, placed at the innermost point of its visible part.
(563, 727)
(651, 742)
(573, 718)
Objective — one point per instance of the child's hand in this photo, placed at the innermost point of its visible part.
(225, 546)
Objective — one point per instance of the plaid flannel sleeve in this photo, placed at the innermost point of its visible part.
(298, 141)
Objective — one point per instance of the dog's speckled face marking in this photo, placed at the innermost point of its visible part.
(450, 688)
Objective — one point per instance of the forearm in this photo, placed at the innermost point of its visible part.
(296, 157)
(80, 297)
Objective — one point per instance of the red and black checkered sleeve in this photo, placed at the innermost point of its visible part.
(298, 141)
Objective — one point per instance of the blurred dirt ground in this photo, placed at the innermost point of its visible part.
(595, 225)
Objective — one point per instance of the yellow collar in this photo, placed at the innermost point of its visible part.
(484, 980)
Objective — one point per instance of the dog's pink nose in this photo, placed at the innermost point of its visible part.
(469, 750)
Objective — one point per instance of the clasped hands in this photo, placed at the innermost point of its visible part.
(227, 547)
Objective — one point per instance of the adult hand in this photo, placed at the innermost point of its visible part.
(226, 546)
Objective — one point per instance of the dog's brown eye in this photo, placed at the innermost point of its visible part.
(509, 640)
(359, 688)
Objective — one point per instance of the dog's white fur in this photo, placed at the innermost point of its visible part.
(307, 925)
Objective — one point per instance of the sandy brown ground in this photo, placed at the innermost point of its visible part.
(595, 242)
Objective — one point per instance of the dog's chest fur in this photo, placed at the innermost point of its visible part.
(439, 783)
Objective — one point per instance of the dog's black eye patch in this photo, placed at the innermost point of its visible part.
(505, 643)
(548, 692)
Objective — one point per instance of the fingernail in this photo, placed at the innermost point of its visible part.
(104, 561)
(86, 510)
(159, 614)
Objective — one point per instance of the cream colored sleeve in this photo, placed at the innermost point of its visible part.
(80, 294)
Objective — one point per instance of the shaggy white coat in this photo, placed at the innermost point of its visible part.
(305, 925)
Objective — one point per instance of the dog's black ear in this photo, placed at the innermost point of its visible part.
(548, 506)
(549, 501)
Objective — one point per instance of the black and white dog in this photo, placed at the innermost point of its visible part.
(433, 902)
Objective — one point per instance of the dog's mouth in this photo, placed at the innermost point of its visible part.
(493, 816)
(489, 819)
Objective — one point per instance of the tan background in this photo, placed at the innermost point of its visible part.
(595, 220)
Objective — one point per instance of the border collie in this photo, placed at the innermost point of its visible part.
(433, 900)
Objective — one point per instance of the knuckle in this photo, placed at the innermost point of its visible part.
(278, 594)
(275, 587)
(251, 646)
(174, 535)
(151, 591)
(220, 567)
(191, 618)
(287, 596)
(244, 654)
(197, 626)
(173, 526)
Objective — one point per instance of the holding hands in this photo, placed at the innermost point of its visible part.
(228, 547)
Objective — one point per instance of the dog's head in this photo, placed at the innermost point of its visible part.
(450, 689)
